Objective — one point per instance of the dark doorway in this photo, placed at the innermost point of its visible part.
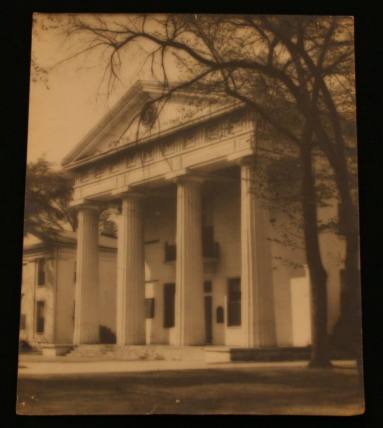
(208, 319)
(169, 304)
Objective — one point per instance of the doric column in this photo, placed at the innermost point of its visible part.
(86, 323)
(130, 323)
(258, 317)
(189, 310)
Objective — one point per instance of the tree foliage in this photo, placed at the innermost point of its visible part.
(47, 196)
(47, 203)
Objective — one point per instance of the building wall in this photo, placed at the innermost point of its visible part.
(27, 306)
(288, 267)
(32, 293)
(290, 278)
(292, 281)
(159, 227)
(226, 220)
(288, 270)
(58, 294)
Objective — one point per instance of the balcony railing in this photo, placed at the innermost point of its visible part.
(210, 250)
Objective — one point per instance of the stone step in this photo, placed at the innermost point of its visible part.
(140, 352)
(227, 354)
(189, 353)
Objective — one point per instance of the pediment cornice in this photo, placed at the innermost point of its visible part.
(90, 149)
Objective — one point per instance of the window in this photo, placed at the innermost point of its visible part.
(208, 234)
(23, 322)
(40, 272)
(149, 308)
(234, 302)
(207, 287)
(210, 248)
(40, 316)
(169, 304)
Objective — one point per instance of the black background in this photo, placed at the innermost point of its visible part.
(14, 65)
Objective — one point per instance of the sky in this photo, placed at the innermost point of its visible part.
(63, 109)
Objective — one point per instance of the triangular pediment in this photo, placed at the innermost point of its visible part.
(141, 114)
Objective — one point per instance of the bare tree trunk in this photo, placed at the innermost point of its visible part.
(347, 333)
(318, 275)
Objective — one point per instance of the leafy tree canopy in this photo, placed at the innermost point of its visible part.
(47, 196)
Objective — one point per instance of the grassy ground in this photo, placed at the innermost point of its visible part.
(283, 390)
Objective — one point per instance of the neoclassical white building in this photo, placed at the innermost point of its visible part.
(196, 264)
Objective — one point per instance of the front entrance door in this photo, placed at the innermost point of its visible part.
(208, 319)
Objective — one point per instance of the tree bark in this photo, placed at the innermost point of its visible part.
(348, 330)
(318, 275)
(347, 333)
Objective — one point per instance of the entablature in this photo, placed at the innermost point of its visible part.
(214, 142)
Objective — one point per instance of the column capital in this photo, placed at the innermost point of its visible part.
(127, 192)
(243, 157)
(184, 175)
(247, 161)
(248, 176)
(86, 204)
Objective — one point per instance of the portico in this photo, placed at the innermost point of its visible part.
(202, 167)
(190, 269)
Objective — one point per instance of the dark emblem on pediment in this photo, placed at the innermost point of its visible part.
(148, 116)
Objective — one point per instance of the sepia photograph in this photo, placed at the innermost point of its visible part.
(191, 223)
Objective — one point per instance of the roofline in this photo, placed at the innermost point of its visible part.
(101, 124)
(139, 86)
(236, 105)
